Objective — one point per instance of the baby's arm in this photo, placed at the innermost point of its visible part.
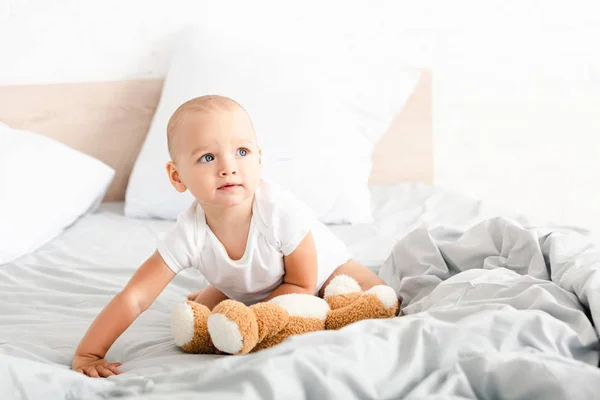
(300, 270)
(140, 292)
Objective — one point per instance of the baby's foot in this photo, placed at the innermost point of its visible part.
(378, 302)
(189, 328)
(341, 291)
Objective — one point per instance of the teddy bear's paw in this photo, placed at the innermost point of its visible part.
(189, 327)
(388, 298)
(233, 327)
(378, 302)
(341, 291)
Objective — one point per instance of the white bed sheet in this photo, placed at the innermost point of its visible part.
(49, 298)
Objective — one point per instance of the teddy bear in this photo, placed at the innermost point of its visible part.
(235, 328)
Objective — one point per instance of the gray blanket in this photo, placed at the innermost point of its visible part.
(495, 312)
(499, 311)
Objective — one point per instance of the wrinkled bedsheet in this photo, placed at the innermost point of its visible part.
(495, 308)
(499, 311)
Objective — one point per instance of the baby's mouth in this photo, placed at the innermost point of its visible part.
(229, 186)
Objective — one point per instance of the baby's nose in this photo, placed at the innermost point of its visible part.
(225, 172)
(228, 168)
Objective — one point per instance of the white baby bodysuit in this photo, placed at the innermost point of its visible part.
(279, 223)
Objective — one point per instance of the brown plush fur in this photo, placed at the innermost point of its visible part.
(201, 342)
(264, 325)
(270, 319)
(245, 320)
(296, 326)
(342, 300)
(367, 304)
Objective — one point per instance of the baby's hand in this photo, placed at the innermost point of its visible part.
(193, 296)
(95, 366)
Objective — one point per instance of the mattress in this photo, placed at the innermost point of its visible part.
(49, 298)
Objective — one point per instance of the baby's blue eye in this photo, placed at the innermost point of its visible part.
(207, 158)
(242, 152)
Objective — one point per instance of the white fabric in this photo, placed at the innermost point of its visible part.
(471, 339)
(279, 223)
(44, 187)
(318, 108)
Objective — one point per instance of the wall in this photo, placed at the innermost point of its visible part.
(516, 106)
(73, 40)
(516, 83)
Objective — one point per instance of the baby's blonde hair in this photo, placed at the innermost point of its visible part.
(207, 103)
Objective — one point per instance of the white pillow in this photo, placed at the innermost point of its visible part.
(318, 109)
(44, 187)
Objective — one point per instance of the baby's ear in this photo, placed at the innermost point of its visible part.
(259, 155)
(175, 178)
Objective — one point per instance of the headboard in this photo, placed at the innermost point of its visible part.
(109, 121)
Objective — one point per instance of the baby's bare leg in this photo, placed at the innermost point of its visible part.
(363, 275)
(209, 296)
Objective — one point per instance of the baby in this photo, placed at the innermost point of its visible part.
(250, 239)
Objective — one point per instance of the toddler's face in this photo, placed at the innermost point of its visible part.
(217, 158)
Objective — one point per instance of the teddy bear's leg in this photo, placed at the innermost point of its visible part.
(233, 327)
(378, 302)
(271, 319)
(189, 327)
(237, 329)
(341, 291)
(306, 312)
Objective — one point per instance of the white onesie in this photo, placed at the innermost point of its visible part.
(279, 223)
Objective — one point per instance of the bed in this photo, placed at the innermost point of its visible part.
(497, 306)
